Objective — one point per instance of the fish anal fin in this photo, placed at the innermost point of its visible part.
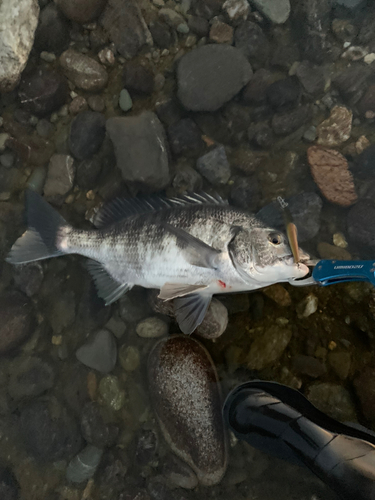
(191, 310)
(108, 288)
(172, 290)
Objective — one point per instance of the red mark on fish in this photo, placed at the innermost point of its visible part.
(222, 284)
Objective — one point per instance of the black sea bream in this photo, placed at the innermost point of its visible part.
(190, 248)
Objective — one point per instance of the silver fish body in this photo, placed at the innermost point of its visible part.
(190, 248)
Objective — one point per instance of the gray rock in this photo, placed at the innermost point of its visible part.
(60, 177)
(153, 327)
(125, 101)
(211, 75)
(18, 22)
(215, 322)
(361, 223)
(30, 377)
(99, 352)
(350, 4)
(17, 320)
(277, 11)
(245, 193)
(87, 133)
(253, 43)
(185, 138)
(83, 466)
(52, 33)
(140, 149)
(308, 365)
(214, 166)
(289, 121)
(268, 347)
(311, 77)
(334, 400)
(171, 17)
(126, 27)
(83, 11)
(94, 428)
(146, 447)
(88, 171)
(185, 396)
(83, 71)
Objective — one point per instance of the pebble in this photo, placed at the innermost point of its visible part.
(125, 101)
(278, 294)
(129, 357)
(161, 34)
(363, 166)
(339, 240)
(255, 91)
(187, 179)
(337, 128)
(268, 347)
(367, 103)
(43, 91)
(198, 25)
(331, 173)
(215, 321)
(48, 431)
(106, 57)
(47, 56)
(83, 466)
(361, 223)
(284, 93)
(178, 473)
(369, 58)
(211, 75)
(83, 11)
(52, 33)
(340, 363)
(17, 320)
(171, 17)
(365, 391)
(7, 160)
(308, 306)
(88, 172)
(308, 365)
(352, 81)
(78, 105)
(83, 71)
(287, 122)
(94, 428)
(327, 251)
(183, 387)
(277, 12)
(354, 53)
(236, 10)
(30, 377)
(334, 400)
(344, 30)
(221, 32)
(60, 177)
(44, 128)
(148, 166)
(116, 326)
(151, 328)
(9, 487)
(110, 392)
(214, 166)
(310, 134)
(185, 138)
(87, 132)
(252, 42)
(96, 103)
(99, 352)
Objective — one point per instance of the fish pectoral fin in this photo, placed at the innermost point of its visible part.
(246, 277)
(194, 250)
(172, 290)
(108, 288)
(191, 310)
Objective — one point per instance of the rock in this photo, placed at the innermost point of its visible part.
(214, 166)
(215, 321)
(365, 390)
(308, 365)
(88, 172)
(171, 17)
(236, 10)
(311, 77)
(221, 32)
(367, 103)
(169, 110)
(140, 149)
(83, 466)
(187, 179)
(278, 294)
(337, 128)
(94, 428)
(126, 27)
(30, 377)
(146, 447)
(48, 431)
(28, 278)
(185, 138)
(340, 363)
(44, 128)
(138, 79)
(96, 103)
(18, 22)
(367, 30)
(83, 71)
(60, 177)
(344, 30)
(268, 347)
(161, 34)
(307, 306)
(331, 173)
(43, 91)
(363, 166)
(9, 487)
(245, 193)
(125, 101)
(198, 25)
(352, 82)
(87, 133)
(129, 357)
(349, 4)
(16, 320)
(78, 105)
(62, 312)
(327, 251)
(110, 393)
(284, 93)
(183, 387)
(99, 352)
(277, 12)
(361, 223)
(83, 11)
(310, 134)
(52, 33)
(334, 400)
(153, 327)
(255, 91)
(211, 75)
(287, 122)
(252, 42)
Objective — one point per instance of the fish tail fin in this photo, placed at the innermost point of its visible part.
(40, 241)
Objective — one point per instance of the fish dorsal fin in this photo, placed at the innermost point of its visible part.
(191, 310)
(172, 290)
(108, 288)
(121, 208)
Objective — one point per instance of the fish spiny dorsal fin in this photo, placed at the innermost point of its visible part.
(121, 208)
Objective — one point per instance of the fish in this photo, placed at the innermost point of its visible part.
(189, 247)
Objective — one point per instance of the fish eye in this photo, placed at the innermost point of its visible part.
(275, 238)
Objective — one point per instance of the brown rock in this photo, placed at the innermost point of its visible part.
(78, 104)
(278, 294)
(331, 173)
(82, 11)
(221, 32)
(16, 320)
(83, 71)
(337, 128)
(185, 395)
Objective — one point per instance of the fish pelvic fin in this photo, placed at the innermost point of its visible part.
(40, 241)
(191, 310)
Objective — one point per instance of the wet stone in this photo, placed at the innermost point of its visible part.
(78, 105)
(214, 166)
(268, 347)
(221, 32)
(198, 25)
(16, 320)
(125, 101)
(146, 447)
(287, 122)
(185, 397)
(110, 393)
(99, 352)
(96, 103)
(185, 138)
(88, 172)
(252, 42)
(83, 71)
(7, 160)
(276, 12)
(28, 278)
(284, 93)
(9, 487)
(352, 82)
(361, 223)
(169, 110)
(337, 128)
(340, 363)
(129, 357)
(327, 251)
(187, 179)
(94, 428)
(44, 128)
(245, 193)
(60, 177)
(87, 133)
(278, 294)
(161, 34)
(211, 75)
(52, 33)
(138, 79)
(49, 432)
(83, 466)
(363, 166)
(178, 473)
(215, 321)
(311, 77)
(30, 377)
(365, 390)
(308, 365)
(334, 400)
(307, 306)
(236, 10)
(255, 91)
(153, 327)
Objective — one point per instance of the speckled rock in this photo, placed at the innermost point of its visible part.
(337, 128)
(83, 11)
(277, 12)
(153, 327)
(60, 177)
(83, 71)
(331, 173)
(186, 399)
(215, 321)
(268, 347)
(211, 75)
(16, 320)
(334, 400)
